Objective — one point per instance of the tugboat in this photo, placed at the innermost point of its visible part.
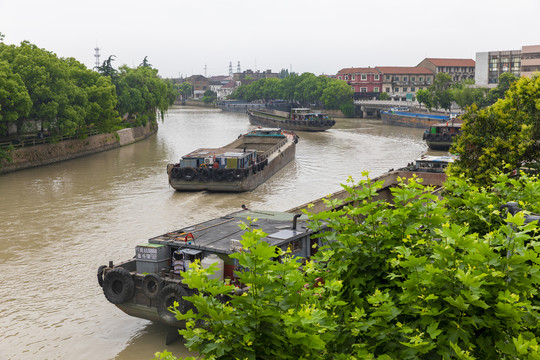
(440, 136)
(239, 166)
(299, 119)
(147, 285)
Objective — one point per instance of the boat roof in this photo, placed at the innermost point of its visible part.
(448, 124)
(221, 235)
(433, 158)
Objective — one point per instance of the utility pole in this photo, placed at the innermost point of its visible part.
(96, 55)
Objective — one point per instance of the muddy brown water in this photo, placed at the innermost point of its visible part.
(59, 223)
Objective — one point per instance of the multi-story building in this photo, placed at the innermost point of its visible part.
(458, 69)
(401, 82)
(365, 82)
(530, 60)
(490, 65)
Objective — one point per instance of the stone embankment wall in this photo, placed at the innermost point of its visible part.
(44, 154)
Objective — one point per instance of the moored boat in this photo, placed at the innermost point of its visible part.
(298, 119)
(239, 166)
(441, 136)
(406, 118)
(147, 285)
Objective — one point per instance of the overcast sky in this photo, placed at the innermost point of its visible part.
(182, 37)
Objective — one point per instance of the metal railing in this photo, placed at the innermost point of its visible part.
(27, 140)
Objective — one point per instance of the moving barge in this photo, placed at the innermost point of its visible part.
(239, 166)
(147, 285)
(299, 119)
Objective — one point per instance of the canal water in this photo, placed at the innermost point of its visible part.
(59, 223)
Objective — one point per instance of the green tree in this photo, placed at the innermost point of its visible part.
(441, 95)
(384, 96)
(337, 93)
(505, 135)
(209, 96)
(185, 89)
(424, 97)
(106, 69)
(505, 82)
(467, 96)
(15, 103)
(419, 277)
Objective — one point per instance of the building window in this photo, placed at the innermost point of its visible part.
(375, 89)
(412, 89)
(413, 78)
(363, 77)
(405, 78)
(377, 77)
(346, 77)
(420, 79)
(352, 77)
(387, 77)
(397, 78)
(404, 89)
(396, 89)
(428, 79)
(353, 89)
(339, 77)
(363, 89)
(387, 90)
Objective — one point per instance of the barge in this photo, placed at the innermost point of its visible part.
(298, 119)
(147, 285)
(441, 136)
(239, 166)
(418, 120)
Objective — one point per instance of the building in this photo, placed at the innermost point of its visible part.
(401, 82)
(365, 82)
(490, 65)
(530, 60)
(199, 85)
(250, 76)
(458, 69)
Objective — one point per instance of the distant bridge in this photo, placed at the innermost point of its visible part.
(373, 108)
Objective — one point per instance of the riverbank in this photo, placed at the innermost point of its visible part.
(44, 154)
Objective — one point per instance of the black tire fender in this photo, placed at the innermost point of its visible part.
(166, 298)
(152, 285)
(176, 172)
(100, 274)
(118, 285)
(189, 173)
(238, 174)
(204, 174)
(230, 175)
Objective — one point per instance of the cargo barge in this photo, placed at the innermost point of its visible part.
(147, 285)
(441, 136)
(298, 119)
(239, 166)
(418, 120)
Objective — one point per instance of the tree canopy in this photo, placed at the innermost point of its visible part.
(306, 89)
(65, 97)
(505, 135)
(422, 277)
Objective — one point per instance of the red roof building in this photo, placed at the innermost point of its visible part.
(400, 81)
(458, 69)
(365, 82)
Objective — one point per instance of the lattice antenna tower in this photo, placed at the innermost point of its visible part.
(204, 70)
(96, 55)
(238, 68)
(230, 68)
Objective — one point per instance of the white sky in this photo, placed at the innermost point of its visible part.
(180, 37)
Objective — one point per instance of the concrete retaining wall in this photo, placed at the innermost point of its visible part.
(44, 154)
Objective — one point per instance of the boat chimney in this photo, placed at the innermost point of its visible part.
(296, 216)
